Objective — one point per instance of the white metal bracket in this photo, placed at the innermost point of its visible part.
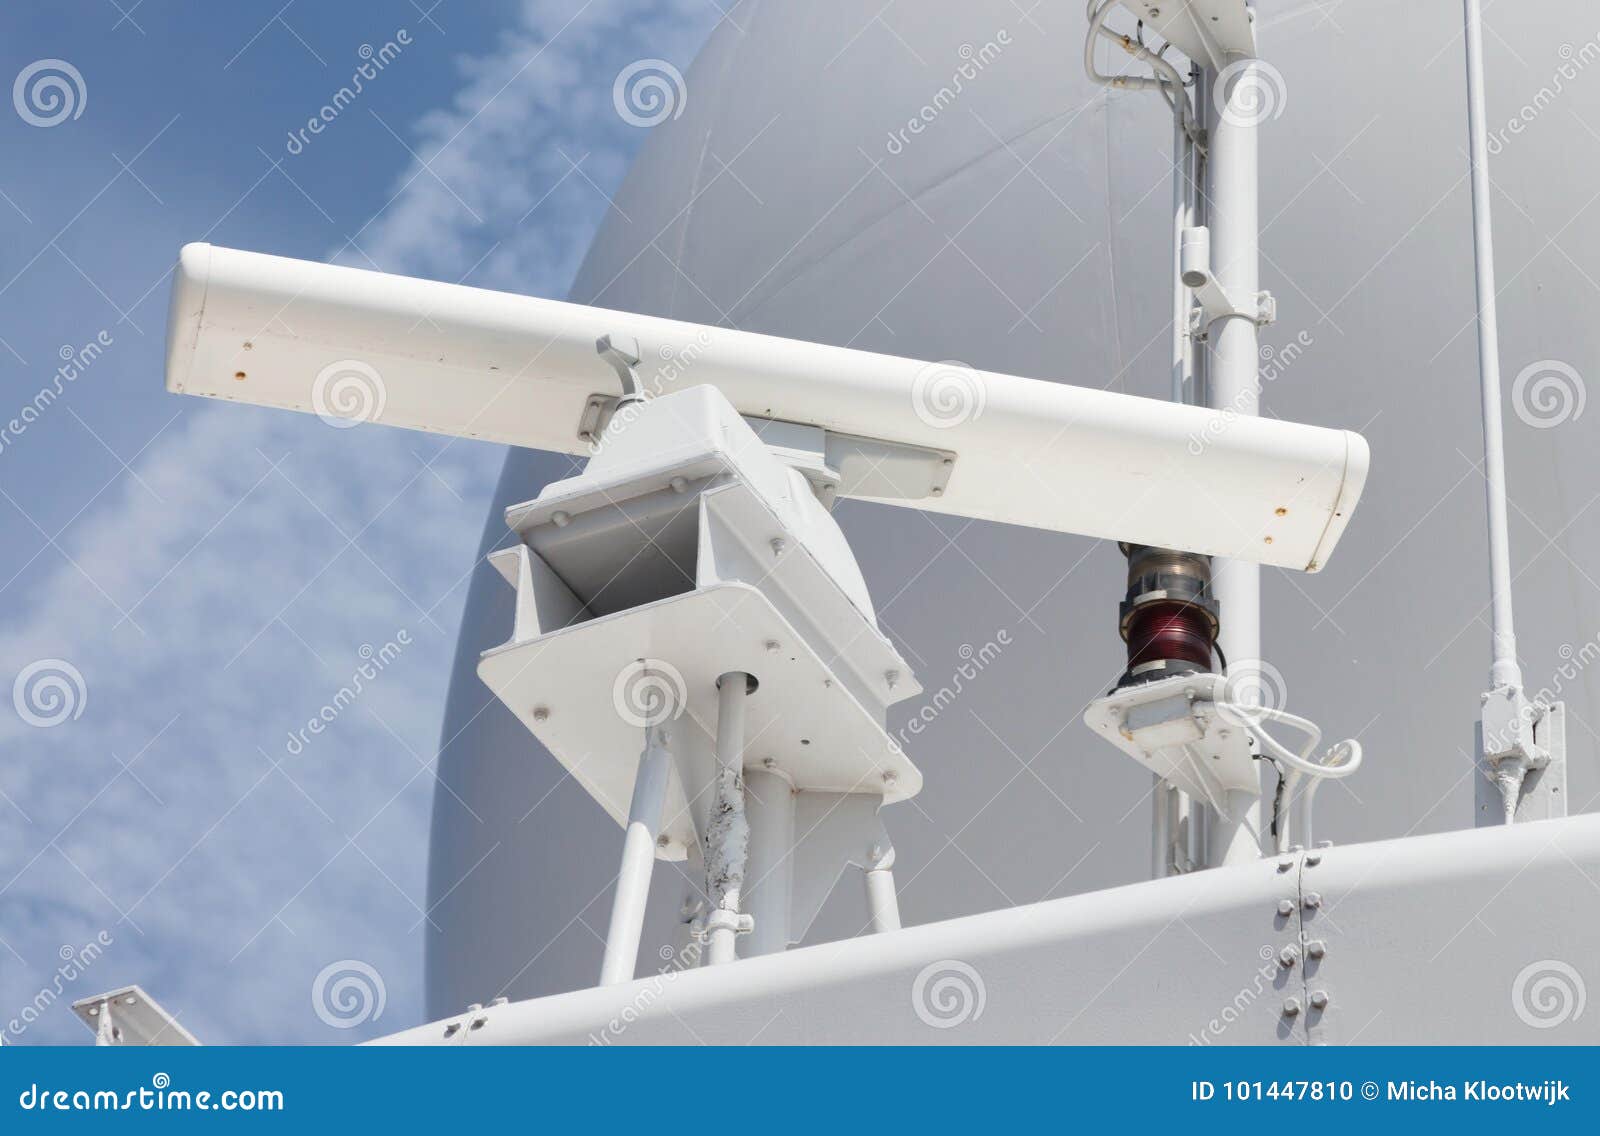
(1212, 33)
(1522, 760)
(1216, 304)
(1214, 301)
(702, 926)
(129, 1016)
(622, 352)
(1176, 728)
(838, 831)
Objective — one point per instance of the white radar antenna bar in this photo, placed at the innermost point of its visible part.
(940, 437)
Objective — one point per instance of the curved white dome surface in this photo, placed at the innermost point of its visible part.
(1025, 229)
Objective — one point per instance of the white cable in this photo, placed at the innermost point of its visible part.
(1337, 761)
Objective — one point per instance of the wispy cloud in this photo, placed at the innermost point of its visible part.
(231, 592)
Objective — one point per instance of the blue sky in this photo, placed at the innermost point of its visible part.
(212, 575)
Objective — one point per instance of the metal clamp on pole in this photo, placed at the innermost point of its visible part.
(727, 841)
(1215, 301)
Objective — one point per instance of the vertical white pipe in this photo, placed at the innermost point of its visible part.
(1196, 832)
(1160, 827)
(769, 807)
(638, 861)
(1169, 803)
(1235, 833)
(728, 834)
(1182, 218)
(883, 904)
(1504, 670)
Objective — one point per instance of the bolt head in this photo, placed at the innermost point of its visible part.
(1287, 957)
(778, 545)
(1313, 859)
(663, 840)
(1285, 907)
(773, 646)
(561, 519)
(1291, 1007)
(1319, 999)
(541, 713)
(1313, 900)
(1316, 948)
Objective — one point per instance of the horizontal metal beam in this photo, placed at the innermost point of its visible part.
(351, 344)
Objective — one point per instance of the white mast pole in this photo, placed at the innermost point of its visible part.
(1231, 165)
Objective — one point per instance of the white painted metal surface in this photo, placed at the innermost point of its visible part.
(1180, 729)
(1400, 941)
(478, 364)
(1084, 180)
(129, 1016)
(1213, 33)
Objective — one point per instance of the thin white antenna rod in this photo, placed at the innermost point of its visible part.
(1505, 671)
